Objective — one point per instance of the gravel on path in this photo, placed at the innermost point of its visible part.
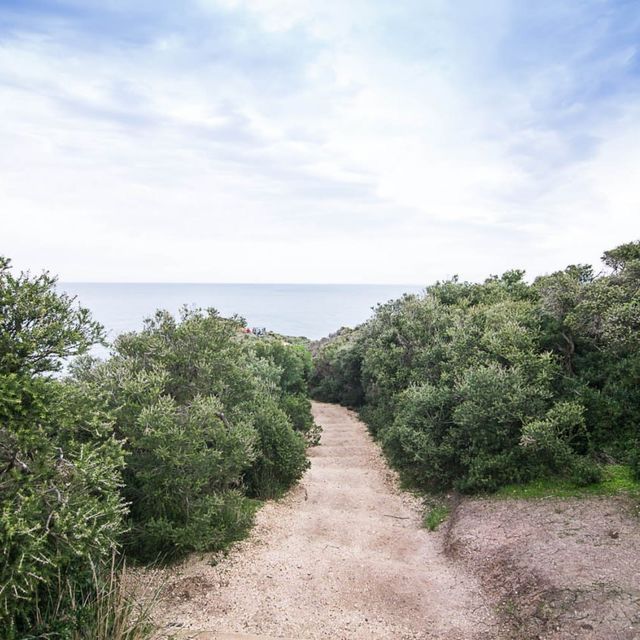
(341, 556)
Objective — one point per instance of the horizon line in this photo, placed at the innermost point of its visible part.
(266, 284)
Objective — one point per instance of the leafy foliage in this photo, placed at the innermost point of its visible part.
(336, 375)
(475, 386)
(165, 446)
(60, 465)
(40, 327)
(202, 409)
(281, 458)
(295, 365)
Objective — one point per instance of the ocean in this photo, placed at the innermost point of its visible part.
(310, 310)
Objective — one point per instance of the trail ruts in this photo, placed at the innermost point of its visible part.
(343, 555)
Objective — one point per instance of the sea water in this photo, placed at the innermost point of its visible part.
(310, 310)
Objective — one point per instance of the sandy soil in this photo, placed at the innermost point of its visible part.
(342, 556)
(558, 568)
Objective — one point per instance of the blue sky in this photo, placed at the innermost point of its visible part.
(317, 141)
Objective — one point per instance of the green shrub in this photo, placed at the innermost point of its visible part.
(553, 444)
(474, 386)
(419, 441)
(184, 467)
(298, 409)
(61, 513)
(336, 376)
(294, 364)
(281, 459)
(293, 361)
(198, 404)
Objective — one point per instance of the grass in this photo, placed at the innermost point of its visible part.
(113, 608)
(116, 610)
(435, 516)
(616, 479)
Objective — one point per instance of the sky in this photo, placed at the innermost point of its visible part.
(317, 140)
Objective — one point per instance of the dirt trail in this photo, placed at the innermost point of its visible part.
(342, 556)
(558, 568)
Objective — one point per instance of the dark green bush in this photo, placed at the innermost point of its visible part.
(298, 409)
(281, 458)
(164, 446)
(201, 407)
(294, 363)
(419, 441)
(336, 375)
(474, 386)
(61, 513)
(182, 477)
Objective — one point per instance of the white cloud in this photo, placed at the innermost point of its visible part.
(316, 141)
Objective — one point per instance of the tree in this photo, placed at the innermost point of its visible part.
(60, 509)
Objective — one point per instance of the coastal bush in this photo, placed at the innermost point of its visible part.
(419, 440)
(164, 447)
(61, 512)
(295, 364)
(475, 386)
(281, 452)
(336, 373)
(199, 406)
(293, 361)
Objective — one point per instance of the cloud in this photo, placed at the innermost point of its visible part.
(298, 140)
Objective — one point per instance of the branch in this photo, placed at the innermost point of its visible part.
(21, 465)
(224, 419)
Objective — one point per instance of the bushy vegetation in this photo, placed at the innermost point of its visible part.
(61, 512)
(475, 386)
(202, 410)
(337, 371)
(164, 448)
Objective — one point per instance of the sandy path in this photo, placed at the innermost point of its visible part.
(342, 556)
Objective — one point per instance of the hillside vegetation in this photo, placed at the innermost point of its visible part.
(164, 448)
(477, 386)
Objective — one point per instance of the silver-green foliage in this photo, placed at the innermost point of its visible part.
(474, 386)
(201, 408)
(61, 512)
(164, 446)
